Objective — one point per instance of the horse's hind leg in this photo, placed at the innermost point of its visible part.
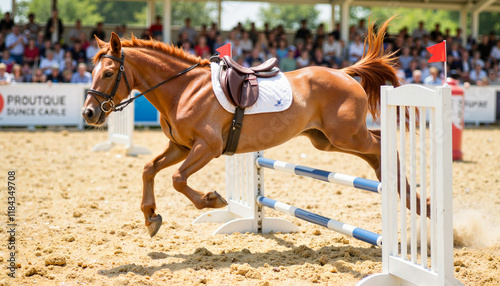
(321, 142)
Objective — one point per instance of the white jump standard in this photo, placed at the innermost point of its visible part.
(402, 263)
(245, 196)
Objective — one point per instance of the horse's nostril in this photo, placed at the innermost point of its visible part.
(89, 113)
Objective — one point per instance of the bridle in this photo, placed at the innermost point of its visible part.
(109, 97)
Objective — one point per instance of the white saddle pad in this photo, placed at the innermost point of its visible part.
(275, 94)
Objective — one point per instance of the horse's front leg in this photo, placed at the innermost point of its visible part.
(172, 154)
(201, 154)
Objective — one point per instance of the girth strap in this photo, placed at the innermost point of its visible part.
(234, 132)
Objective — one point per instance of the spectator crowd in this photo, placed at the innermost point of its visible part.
(37, 53)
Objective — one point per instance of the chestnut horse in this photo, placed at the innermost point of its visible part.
(329, 107)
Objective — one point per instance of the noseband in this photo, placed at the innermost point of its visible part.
(109, 97)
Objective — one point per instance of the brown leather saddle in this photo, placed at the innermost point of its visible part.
(241, 88)
(240, 83)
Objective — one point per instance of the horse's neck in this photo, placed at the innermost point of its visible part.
(148, 73)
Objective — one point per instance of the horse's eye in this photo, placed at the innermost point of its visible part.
(108, 74)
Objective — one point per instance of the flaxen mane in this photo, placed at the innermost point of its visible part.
(134, 42)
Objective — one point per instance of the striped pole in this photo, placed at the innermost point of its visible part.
(349, 230)
(356, 182)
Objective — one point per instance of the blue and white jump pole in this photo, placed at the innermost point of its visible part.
(344, 228)
(341, 179)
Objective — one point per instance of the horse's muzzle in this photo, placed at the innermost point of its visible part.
(93, 116)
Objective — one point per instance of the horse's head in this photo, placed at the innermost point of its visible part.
(109, 82)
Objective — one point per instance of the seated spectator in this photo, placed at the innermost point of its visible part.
(332, 49)
(187, 48)
(39, 76)
(47, 45)
(84, 41)
(419, 32)
(246, 43)
(92, 50)
(409, 71)
(67, 76)
(219, 42)
(493, 77)
(58, 52)
(288, 63)
(74, 34)
(495, 53)
(416, 77)
(123, 31)
(48, 62)
(304, 60)
(405, 58)
(78, 53)
(477, 74)
(5, 77)
(191, 33)
(55, 75)
(356, 49)
(31, 28)
(15, 43)
(433, 78)
(318, 58)
(82, 75)
(27, 72)
(253, 58)
(282, 50)
(156, 28)
(7, 60)
(98, 31)
(201, 48)
(424, 68)
(69, 64)
(31, 53)
(17, 74)
(484, 48)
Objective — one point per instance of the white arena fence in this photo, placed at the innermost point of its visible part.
(425, 161)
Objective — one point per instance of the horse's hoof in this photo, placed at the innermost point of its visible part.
(220, 202)
(155, 225)
(220, 198)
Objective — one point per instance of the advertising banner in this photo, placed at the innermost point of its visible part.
(34, 104)
(480, 104)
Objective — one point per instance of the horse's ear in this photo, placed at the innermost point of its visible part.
(100, 43)
(115, 43)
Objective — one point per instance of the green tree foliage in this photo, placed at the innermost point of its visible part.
(117, 12)
(289, 15)
(488, 22)
(199, 12)
(408, 17)
(69, 11)
(121, 12)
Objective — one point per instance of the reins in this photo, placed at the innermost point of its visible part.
(109, 97)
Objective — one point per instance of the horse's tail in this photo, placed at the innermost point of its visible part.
(375, 68)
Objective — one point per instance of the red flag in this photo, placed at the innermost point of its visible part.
(224, 50)
(438, 52)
